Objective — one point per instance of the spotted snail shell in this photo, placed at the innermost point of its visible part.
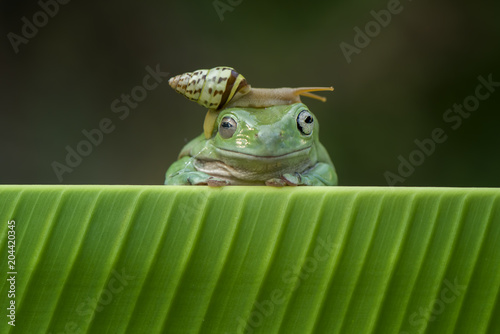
(213, 88)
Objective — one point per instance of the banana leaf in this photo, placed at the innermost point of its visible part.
(161, 259)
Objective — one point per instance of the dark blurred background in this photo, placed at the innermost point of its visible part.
(395, 90)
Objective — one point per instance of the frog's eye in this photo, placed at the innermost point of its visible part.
(305, 122)
(227, 127)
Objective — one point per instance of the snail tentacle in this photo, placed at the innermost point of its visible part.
(306, 91)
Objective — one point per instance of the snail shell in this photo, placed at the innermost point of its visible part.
(213, 88)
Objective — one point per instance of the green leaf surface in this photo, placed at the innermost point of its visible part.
(150, 259)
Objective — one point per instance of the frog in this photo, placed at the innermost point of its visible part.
(274, 146)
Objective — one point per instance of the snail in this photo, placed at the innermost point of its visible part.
(222, 87)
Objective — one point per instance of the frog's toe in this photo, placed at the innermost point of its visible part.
(292, 179)
(197, 178)
(276, 182)
(216, 182)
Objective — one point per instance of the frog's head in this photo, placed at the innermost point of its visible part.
(278, 133)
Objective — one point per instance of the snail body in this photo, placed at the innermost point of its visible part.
(268, 97)
(222, 87)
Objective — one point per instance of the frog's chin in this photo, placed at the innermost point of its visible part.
(240, 155)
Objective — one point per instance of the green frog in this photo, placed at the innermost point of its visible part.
(275, 146)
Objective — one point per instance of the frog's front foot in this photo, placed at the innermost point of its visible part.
(216, 182)
(276, 182)
(321, 174)
(182, 172)
(285, 180)
(195, 178)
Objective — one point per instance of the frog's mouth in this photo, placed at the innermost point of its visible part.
(248, 156)
(236, 165)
